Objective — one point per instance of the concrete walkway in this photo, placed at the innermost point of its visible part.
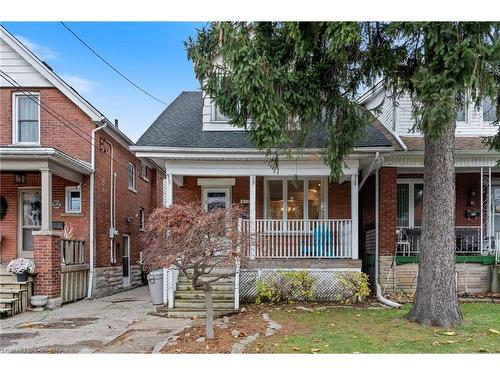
(114, 324)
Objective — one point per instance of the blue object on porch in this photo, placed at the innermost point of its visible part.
(321, 244)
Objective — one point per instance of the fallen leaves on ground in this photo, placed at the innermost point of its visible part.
(449, 333)
(494, 331)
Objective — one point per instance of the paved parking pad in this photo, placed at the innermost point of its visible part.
(116, 324)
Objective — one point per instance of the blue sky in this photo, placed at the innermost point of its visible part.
(149, 53)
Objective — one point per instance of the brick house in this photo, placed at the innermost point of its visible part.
(64, 165)
(301, 220)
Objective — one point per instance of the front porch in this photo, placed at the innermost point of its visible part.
(46, 192)
(292, 213)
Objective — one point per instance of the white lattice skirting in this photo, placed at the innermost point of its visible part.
(327, 286)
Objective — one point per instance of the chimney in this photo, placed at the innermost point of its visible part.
(116, 123)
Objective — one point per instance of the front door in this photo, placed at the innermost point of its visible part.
(30, 219)
(216, 198)
(126, 260)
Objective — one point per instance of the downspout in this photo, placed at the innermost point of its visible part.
(111, 204)
(379, 295)
(91, 221)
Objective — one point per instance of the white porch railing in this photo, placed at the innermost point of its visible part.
(323, 238)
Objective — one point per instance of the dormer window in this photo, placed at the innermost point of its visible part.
(489, 110)
(217, 115)
(463, 113)
(26, 119)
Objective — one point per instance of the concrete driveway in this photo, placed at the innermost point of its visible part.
(114, 324)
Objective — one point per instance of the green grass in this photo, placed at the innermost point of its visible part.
(364, 330)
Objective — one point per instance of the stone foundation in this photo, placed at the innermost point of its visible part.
(109, 280)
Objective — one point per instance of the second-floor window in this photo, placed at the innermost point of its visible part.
(141, 219)
(462, 114)
(489, 110)
(26, 119)
(131, 177)
(144, 172)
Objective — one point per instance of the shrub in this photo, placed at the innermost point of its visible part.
(287, 286)
(355, 286)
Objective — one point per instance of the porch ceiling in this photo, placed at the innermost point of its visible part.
(36, 159)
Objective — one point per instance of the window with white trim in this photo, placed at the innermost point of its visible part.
(141, 219)
(131, 177)
(26, 118)
(489, 110)
(288, 199)
(217, 115)
(144, 172)
(463, 113)
(73, 200)
(409, 203)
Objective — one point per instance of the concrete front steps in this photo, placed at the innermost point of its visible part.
(14, 295)
(190, 302)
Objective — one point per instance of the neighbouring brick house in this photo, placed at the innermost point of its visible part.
(51, 180)
(301, 220)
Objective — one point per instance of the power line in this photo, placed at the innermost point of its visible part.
(74, 128)
(112, 67)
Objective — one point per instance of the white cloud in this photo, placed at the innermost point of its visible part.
(80, 84)
(43, 52)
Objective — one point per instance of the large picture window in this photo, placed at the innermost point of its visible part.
(409, 203)
(290, 199)
(26, 119)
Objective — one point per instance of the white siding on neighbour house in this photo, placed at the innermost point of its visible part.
(19, 69)
(385, 112)
(474, 126)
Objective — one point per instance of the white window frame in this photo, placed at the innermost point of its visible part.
(324, 183)
(482, 114)
(142, 219)
(67, 199)
(134, 179)
(218, 189)
(144, 176)
(411, 197)
(15, 117)
(467, 113)
(213, 115)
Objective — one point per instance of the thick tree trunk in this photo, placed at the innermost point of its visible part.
(209, 311)
(436, 300)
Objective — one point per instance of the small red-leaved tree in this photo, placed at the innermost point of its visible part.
(195, 241)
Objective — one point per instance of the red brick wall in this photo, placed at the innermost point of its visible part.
(339, 200)
(10, 191)
(191, 192)
(128, 202)
(339, 196)
(387, 210)
(52, 132)
(48, 266)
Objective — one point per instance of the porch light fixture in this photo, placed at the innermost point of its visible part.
(20, 178)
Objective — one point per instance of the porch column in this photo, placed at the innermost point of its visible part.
(47, 257)
(168, 190)
(354, 216)
(253, 210)
(46, 200)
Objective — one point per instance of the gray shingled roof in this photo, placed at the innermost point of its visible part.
(181, 125)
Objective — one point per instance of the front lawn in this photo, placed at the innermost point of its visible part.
(378, 330)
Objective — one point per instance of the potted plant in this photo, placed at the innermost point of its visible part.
(21, 267)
